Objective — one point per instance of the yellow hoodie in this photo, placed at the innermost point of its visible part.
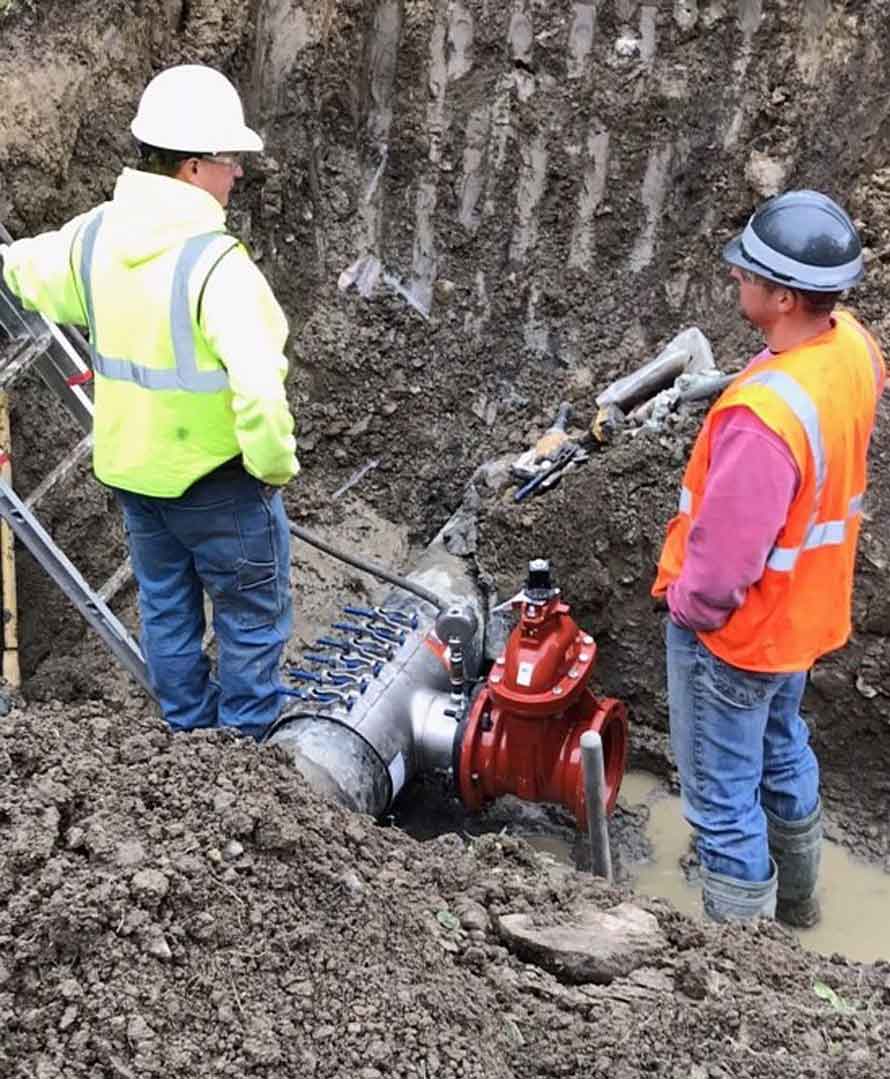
(158, 441)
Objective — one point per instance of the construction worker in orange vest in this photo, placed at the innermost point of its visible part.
(757, 567)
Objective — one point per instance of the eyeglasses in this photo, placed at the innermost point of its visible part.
(232, 161)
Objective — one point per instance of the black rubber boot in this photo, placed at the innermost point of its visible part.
(796, 847)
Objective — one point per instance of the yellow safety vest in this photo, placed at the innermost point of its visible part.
(163, 408)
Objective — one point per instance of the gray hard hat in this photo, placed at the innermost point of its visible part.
(801, 239)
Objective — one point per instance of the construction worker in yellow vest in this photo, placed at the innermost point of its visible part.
(757, 567)
(192, 426)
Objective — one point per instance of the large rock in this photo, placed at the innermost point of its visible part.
(586, 944)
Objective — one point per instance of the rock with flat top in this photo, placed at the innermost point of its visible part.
(585, 944)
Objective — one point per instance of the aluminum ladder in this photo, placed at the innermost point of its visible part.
(29, 341)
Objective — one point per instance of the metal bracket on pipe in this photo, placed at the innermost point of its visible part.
(29, 530)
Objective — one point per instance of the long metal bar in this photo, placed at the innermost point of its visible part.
(595, 797)
(96, 612)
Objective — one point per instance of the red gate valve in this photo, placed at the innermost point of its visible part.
(523, 732)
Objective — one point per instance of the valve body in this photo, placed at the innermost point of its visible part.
(523, 731)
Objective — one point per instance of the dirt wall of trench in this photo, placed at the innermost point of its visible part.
(554, 180)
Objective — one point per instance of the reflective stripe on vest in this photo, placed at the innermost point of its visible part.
(828, 533)
(185, 375)
(801, 404)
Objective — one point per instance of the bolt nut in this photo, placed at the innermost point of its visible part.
(584, 657)
(574, 672)
(474, 777)
(587, 639)
(495, 678)
(500, 661)
(557, 691)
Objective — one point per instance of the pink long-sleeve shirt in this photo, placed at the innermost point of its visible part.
(752, 479)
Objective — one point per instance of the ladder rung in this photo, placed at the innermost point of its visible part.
(59, 473)
(18, 362)
(116, 581)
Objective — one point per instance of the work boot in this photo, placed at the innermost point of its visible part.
(796, 847)
(726, 899)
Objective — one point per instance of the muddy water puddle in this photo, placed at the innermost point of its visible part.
(855, 896)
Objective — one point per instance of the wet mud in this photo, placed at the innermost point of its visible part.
(549, 186)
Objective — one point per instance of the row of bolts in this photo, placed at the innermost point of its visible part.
(341, 676)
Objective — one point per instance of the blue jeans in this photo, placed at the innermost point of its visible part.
(228, 535)
(740, 745)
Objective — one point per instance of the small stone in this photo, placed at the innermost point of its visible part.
(156, 945)
(443, 289)
(686, 14)
(627, 45)
(353, 882)
(233, 850)
(223, 800)
(138, 1030)
(68, 1017)
(472, 915)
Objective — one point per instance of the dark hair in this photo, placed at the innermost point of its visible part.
(160, 161)
(818, 303)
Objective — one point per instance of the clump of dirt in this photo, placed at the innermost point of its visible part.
(552, 182)
(176, 905)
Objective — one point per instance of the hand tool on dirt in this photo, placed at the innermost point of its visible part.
(531, 461)
(555, 436)
(569, 454)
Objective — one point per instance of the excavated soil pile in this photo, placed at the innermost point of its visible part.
(184, 906)
(552, 182)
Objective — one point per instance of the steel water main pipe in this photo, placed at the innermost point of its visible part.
(378, 704)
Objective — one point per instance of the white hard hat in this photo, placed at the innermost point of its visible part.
(192, 108)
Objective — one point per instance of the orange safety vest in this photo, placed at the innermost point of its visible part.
(820, 398)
